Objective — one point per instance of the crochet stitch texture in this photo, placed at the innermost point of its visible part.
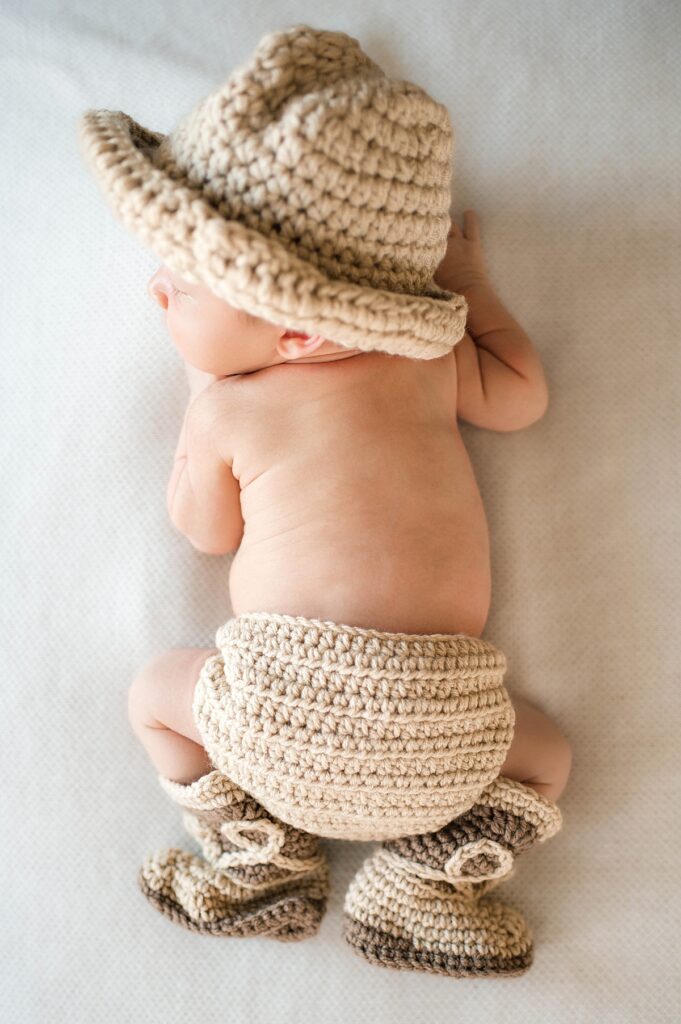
(353, 733)
(310, 189)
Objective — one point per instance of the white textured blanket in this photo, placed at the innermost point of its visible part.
(568, 146)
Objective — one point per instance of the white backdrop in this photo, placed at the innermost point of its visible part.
(567, 146)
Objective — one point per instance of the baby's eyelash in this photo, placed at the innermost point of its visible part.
(176, 291)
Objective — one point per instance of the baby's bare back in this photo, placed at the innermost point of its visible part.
(358, 497)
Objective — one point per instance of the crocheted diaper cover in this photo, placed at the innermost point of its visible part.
(354, 733)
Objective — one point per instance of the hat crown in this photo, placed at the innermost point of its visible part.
(309, 142)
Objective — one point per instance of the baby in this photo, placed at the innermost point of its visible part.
(341, 480)
(317, 289)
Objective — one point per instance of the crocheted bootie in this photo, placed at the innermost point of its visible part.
(260, 876)
(420, 903)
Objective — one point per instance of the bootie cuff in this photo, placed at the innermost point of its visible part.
(211, 791)
(541, 817)
(507, 819)
(479, 861)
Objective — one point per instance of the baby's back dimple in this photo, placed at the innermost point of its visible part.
(358, 497)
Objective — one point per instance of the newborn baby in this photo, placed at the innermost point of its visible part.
(341, 480)
(317, 289)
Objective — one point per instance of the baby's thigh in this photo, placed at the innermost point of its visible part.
(162, 693)
(539, 750)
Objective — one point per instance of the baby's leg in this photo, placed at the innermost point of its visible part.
(160, 712)
(540, 756)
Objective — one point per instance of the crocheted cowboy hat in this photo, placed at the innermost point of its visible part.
(310, 190)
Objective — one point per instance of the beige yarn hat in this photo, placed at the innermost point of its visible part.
(310, 190)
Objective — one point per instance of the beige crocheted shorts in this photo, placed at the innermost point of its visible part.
(352, 733)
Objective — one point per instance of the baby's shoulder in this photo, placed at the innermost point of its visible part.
(246, 414)
(229, 398)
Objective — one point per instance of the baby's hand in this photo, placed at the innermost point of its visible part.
(462, 264)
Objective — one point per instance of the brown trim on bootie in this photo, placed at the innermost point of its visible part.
(387, 950)
(282, 915)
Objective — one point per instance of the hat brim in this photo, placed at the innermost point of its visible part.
(250, 270)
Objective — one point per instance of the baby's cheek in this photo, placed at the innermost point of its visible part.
(201, 346)
(184, 341)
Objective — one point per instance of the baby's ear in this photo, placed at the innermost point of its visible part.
(293, 344)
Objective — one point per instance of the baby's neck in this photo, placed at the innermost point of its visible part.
(329, 356)
(335, 356)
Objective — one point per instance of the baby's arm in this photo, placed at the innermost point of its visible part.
(198, 381)
(501, 383)
(203, 496)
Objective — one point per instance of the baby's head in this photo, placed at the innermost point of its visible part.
(214, 336)
(310, 181)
